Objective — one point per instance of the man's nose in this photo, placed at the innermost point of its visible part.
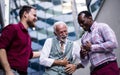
(35, 18)
(64, 33)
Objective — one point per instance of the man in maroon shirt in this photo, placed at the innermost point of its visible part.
(15, 44)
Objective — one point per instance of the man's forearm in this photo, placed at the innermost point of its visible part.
(57, 62)
(36, 54)
(60, 62)
(4, 61)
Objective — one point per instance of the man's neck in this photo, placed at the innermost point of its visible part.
(24, 24)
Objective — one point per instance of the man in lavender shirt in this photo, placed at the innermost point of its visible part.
(15, 44)
(98, 43)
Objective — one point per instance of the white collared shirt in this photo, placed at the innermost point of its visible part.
(44, 60)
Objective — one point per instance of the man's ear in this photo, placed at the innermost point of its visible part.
(25, 14)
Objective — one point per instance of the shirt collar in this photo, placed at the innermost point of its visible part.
(93, 26)
(22, 27)
(64, 42)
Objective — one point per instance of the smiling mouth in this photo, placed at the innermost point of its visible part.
(62, 39)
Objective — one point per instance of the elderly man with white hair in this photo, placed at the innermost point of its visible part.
(58, 54)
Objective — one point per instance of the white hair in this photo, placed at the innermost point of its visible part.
(58, 23)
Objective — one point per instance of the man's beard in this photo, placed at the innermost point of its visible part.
(30, 24)
(62, 38)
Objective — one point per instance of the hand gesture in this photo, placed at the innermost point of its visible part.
(87, 46)
(70, 68)
(61, 62)
(64, 62)
(85, 49)
(83, 52)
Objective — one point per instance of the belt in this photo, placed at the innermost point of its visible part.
(20, 72)
(103, 65)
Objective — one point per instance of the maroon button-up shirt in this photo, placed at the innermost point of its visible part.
(16, 40)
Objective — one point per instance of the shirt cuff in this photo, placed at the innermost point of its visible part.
(46, 62)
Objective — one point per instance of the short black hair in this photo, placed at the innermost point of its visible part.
(87, 13)
(26, 8)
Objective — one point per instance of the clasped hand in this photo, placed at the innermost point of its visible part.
(64, 62)
(85, 49)
(69, 68)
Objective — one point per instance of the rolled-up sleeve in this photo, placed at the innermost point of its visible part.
(44, 57)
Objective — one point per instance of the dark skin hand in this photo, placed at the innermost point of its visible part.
(87, 46)
(85, 49)
(83, 52)
(64, 62)
(70, 68)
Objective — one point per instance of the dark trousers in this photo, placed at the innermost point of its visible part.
(2, 72)
(110, 68)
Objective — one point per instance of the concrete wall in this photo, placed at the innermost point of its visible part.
(109, 14)
(2, 7)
